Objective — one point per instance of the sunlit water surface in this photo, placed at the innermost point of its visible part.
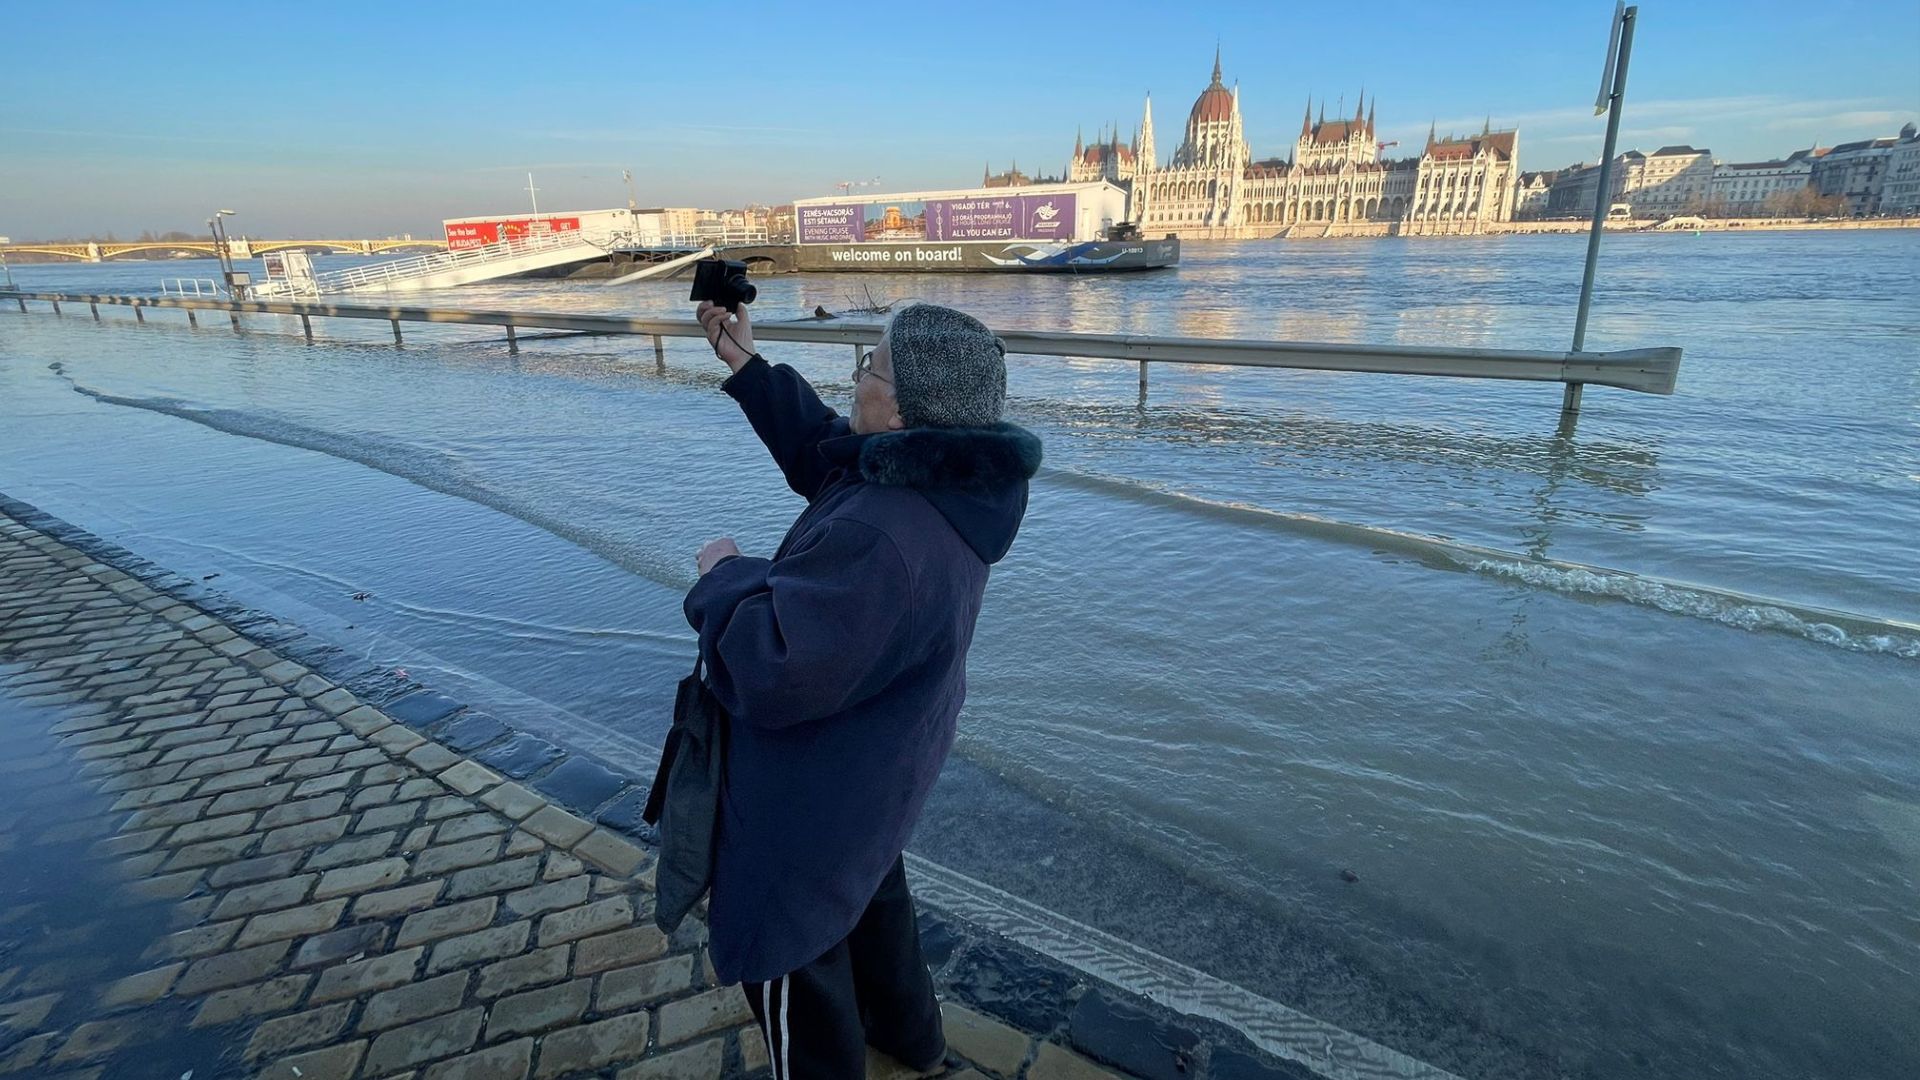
(1664, 821)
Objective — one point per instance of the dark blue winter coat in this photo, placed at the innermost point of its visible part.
(842, 661)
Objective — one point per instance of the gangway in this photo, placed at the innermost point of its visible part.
(659, 268)
(443, 269)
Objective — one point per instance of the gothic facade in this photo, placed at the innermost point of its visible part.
(1107, 159)
(1337, 180)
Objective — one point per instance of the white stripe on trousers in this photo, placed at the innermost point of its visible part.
(786, 1071)
(776, 1048)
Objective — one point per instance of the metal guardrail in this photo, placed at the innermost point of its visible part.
(1648, 371)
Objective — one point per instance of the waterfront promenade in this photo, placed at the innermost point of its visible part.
(331, 894)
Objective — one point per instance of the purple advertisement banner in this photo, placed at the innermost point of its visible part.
(842, 223)
(997, 217)
(1001, 217)
(1046, 217)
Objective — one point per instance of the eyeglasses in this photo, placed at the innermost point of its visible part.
(864, 366)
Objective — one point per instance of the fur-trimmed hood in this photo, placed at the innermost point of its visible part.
(976, 477)
(971, 459)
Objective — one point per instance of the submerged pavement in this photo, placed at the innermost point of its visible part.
(221, 863)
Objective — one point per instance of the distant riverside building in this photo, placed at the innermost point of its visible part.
(1530, 200)
(1856, 172)
(673, 220)
(1675, 180)
(1013, 177)
(1900, 194)
(1671, 180)
(780, 224)
(1109, 159)
(1571, 191)
(1213, 187)
(1750, 188)
(734, 226)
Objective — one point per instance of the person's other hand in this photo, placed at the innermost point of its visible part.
(715, 550)
(730, 333)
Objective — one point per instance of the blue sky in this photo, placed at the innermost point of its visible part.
(352, 119)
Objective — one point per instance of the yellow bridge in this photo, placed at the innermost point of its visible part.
(239, 248)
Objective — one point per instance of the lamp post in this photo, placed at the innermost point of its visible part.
(1613, 93)
(219, 230)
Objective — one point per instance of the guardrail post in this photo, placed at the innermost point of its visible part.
(306, 328)
(1143, 382)
(396, 331)
(193, 317)
(23, 306)
(95, 308)
(659, 354)
(513, 341)
(138, 315)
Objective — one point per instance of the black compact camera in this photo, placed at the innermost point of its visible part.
(724, 282)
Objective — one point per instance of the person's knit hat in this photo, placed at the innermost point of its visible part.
(948, 368)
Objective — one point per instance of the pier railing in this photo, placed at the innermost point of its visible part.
(397, 271)
(1648, 371)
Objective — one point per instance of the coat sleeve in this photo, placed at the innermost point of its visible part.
(821, 629)
(790, 418)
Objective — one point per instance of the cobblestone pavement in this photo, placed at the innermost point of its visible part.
(337, 895)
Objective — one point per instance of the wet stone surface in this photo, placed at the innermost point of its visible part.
(76, 934)
(521, 755)
(220, 856)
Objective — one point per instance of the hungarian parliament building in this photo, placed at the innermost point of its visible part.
(1337, 182)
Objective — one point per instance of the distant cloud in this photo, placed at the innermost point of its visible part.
(1740, 124)
(1628, 136)
(1863, 118)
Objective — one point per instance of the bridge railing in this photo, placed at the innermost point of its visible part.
(1648, 371)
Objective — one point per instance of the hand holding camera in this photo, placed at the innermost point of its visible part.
(724, 292)
(731, 335)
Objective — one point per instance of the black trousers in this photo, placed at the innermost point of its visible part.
(872, 989)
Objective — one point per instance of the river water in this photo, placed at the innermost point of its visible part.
(1621, 800)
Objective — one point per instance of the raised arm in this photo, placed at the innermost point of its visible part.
(783, 409)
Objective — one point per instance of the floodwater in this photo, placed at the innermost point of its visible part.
(1616, 729)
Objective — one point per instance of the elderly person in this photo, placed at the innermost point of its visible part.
(842, 662)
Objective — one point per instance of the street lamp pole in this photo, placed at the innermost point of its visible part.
(1613, 93)
(220, 249)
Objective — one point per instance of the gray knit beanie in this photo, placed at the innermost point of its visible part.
(948, 368)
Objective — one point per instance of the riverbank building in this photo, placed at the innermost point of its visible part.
(1337, 181)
